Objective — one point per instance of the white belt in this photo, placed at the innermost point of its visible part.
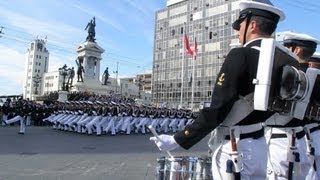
(218, 135)
(312, 125)
(245, 129)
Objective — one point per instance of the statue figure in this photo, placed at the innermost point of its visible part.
(91, 30)
(79, 71)
(106, 76)
(71, 76)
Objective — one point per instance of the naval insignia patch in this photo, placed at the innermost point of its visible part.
(220, 79)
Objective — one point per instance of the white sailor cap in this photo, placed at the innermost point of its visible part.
(89, 102)
(113, 103)
(254, 8)
(299, 39)
(99, 102)
(315, 57)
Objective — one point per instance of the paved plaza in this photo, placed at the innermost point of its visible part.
(47, 154)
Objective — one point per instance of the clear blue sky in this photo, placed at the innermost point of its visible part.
(125, 29)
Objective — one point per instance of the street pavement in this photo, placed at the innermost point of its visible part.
(47, 154)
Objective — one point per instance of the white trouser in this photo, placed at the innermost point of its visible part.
(102, 124)
(126, 125)
(4, 117)
(316, 144)
(22, 123)
(135, 121)
(92, 123)
(28, 121)
(119, 123)
(278, 155)
(182, 124)
(81, 125)
(164, 124)
(111, 125)
(254, 158)
(73, 126)
(49, 118)
(154, 123)
(142, 125)
(173, 124)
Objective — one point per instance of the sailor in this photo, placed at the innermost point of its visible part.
(113, 119)
(106, 114)
(286, 135)
(20, 112)
(314, 62)
(97, 115)
(233, 89)
(127, 116)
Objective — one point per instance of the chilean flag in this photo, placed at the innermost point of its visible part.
(187, 45)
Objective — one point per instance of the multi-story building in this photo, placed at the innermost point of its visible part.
(144, 82)
(36, 65)
(174, 81)
(52, 81)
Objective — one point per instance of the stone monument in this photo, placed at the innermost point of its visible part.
(89, 57)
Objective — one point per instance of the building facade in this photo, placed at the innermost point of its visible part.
(52, 81)
(175, 83)
(37, 62)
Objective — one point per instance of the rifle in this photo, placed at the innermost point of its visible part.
(293, 156)
(237, 162)
(310, 148)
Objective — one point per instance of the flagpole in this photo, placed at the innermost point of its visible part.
(193, 74)
(182, 64)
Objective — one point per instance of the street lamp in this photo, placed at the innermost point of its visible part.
(63, 71)
(36, 80)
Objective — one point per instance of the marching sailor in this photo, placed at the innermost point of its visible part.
(314, 62)
(233, 91)
(286, 135)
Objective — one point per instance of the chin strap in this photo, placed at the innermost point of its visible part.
(246, 29)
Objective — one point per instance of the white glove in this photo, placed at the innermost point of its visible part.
(165, 142)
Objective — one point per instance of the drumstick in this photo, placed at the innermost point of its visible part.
(154, 132)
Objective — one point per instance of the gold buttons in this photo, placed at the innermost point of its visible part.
(186, 133)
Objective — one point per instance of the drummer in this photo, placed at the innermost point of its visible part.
(256, 22)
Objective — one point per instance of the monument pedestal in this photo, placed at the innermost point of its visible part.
(89, 56)
(93, 86)
(63, 96)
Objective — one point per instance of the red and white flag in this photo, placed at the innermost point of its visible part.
(187, 45)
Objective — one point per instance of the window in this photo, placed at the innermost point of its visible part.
(39, 47)
(173, 32)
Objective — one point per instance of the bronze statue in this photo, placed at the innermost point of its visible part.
(79, 71)
(91, 30)
(106, 76)
(71, 76)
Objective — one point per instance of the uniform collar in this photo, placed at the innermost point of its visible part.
(254, 42)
